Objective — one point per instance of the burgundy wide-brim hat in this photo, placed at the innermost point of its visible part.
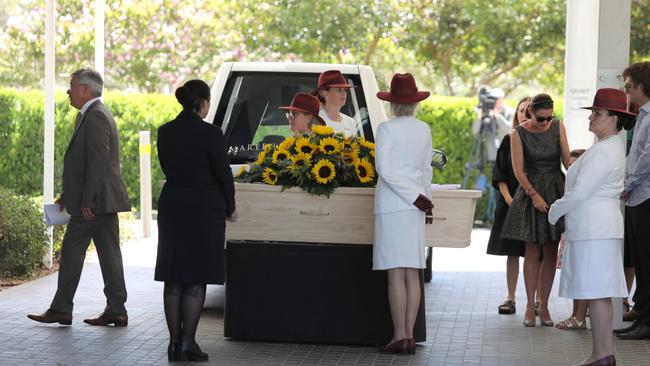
(611, 99)
(306, 103)
(331, 79)
(403, 90)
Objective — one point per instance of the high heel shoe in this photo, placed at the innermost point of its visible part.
(605, 361)
(397, 347)
(545, 323)
(193, 353)
(530, 323)
(410, 346)
(173, 351)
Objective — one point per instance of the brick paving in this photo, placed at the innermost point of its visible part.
(463, 327)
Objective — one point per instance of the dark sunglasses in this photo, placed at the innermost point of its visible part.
(544, 119)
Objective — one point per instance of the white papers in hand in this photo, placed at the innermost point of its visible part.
(445, 186)
(54, 215)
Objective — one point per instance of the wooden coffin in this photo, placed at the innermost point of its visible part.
(346, 217)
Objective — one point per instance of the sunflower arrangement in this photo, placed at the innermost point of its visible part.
(318, 163)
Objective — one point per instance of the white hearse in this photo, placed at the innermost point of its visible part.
(245, 101)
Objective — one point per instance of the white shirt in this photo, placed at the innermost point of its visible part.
(347, 125)
(403, 162)
(591, 203)
(84, 108)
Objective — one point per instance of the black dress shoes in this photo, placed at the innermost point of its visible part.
(642, 331)
(52, 316)
(174, 351)
(193, 353)
(107, 319)
(626, 329)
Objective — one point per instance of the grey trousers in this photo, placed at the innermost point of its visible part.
(104, 230)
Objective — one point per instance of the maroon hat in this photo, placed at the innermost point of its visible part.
(331, 79)
(306, 103)
(403, 90)
(610, 99)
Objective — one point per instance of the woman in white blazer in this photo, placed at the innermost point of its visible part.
(402, 206)
(592, 266)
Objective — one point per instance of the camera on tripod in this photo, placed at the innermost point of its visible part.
(486, 102)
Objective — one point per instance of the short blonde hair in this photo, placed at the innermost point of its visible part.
(403, 110)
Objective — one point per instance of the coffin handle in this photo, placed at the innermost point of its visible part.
(314, 213)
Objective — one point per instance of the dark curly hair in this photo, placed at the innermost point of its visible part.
(640, 74)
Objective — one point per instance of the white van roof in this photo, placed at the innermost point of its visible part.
(297, 67)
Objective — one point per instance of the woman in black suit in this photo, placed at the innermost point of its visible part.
(198, 197)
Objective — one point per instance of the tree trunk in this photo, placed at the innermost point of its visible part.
(372, 47)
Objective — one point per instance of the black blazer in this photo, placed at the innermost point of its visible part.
(192, 155)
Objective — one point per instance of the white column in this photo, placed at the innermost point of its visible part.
(99, 37)
(145, 183)
(48, 118)
(597, 51)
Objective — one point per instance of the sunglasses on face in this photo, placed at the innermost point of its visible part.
(544, 119)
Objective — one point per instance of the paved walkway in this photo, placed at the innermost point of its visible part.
(463, 327)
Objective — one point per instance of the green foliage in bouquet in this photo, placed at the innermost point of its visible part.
(318, 163)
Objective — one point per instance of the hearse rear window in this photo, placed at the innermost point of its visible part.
(250, 117)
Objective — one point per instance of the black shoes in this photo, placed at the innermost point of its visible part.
(192, 353)
(639, 332)
(626, 329)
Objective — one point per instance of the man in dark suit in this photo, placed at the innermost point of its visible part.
(93, 194)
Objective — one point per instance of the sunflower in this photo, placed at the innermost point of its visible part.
(349, 150)
(303, 145)
(280, 155)
(300, 160)
(270, 176)
(330, 145)
(324, 171)
(322, 130)
(348, 146)
(261, 157)
(241, 171)
(287, 143)
(367, 144)
(365, 171)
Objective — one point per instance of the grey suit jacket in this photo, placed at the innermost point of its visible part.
(91, 165)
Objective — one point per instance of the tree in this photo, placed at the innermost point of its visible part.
(640, 31)
(320, 30)
(151, 45)
(474, 42)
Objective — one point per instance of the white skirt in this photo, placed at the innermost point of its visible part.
(593, 269)
(399, 240)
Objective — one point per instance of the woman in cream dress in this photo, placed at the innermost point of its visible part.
(592, 266)
(402, 206)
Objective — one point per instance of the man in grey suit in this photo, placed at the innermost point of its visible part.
(93, 194)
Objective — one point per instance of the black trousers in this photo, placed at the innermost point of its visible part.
(638, 227)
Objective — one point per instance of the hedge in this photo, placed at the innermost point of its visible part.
(22, 234)
(21, 136)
